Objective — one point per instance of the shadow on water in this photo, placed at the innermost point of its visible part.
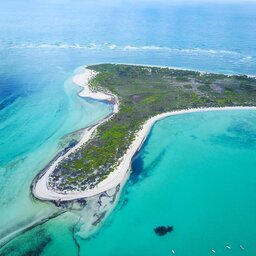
(139, 172)
(138, 169)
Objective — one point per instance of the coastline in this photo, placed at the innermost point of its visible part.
(121, 173)
(39, 186)
(82, 79)
(177, 68)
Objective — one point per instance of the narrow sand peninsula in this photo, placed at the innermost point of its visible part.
(40, 189)
(119, 175)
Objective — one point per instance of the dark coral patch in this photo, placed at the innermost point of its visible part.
(162, 230)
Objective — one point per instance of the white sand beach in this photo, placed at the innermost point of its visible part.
(40, 189)
(82, 80)
(120, 174)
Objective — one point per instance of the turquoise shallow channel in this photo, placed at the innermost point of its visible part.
(200, 179)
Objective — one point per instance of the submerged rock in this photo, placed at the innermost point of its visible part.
(162, 230)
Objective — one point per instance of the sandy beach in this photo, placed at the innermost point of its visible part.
(40, 189)
(120, 174)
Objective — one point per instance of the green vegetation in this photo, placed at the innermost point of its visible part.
(143, 92)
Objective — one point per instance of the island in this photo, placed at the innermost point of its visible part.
(140, 95)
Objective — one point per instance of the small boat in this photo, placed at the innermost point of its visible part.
(173, 252)
(228, 247)
(241, 247)
(213, 251)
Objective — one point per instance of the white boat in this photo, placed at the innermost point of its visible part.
(241, 247)
(213, 250)
(228, 247)
(173, 252)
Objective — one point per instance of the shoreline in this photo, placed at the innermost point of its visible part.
(39, 186)
(176, 68)
(121, 173)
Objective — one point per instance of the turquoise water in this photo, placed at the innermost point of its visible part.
(43, 42)
(32, 132)
(200, 179)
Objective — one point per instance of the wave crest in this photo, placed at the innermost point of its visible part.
(114, 47)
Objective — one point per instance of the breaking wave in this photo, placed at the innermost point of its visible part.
(114, 47)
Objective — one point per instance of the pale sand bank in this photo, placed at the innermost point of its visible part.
(82, 80)
(119, 175)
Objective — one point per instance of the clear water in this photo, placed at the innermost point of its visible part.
(42, 43)
(200, 179)
(34, 128)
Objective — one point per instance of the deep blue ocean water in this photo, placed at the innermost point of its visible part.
(43, 43)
